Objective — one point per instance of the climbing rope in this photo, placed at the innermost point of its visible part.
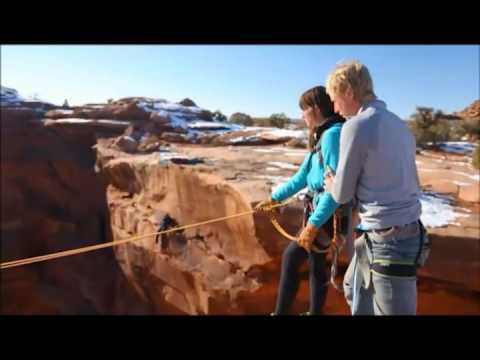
(336, 250)
(60, 254)
(293, 238)
(335, 247)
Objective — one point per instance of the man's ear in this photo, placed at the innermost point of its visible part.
(349, 94)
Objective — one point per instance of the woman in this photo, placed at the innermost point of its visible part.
(324, 127)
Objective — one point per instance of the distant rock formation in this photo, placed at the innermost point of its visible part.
(187, 102)
(17, 106)
(471, 112)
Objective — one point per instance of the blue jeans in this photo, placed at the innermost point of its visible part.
(379, 294)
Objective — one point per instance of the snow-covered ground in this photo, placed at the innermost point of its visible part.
(295, 134)
(283, 165)
(243, 139)
(90, 121)
(94, 107)
(213, 125)
(173, 155)
(437, 210)
(10, 96)
(460, 183)
(458, 147)
(276, 179)
(286, 151)
(267, 133)
(269, 150)
(474, 177)
(161, 104)
(186, 117)
(64, 111)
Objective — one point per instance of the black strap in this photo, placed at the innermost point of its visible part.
(369, 244)
(389, 269)
(336, 119)
(394, 269)
(422, 240)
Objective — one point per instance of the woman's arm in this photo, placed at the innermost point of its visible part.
(330, 152)
(296, 183)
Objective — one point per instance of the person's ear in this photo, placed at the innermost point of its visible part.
(318, 113)
(349, 94)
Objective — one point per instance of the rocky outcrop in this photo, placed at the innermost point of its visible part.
(99, 128)
(115, 111)
(200, 270)
(52, 200)
(471, 112)
(182, 122)
(67, 204)
(127, 144)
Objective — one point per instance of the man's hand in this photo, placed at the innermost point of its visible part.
(307, 236)
(328, 180)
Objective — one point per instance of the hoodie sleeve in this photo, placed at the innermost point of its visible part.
(296, 183)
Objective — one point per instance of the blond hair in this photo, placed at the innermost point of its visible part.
(353, 75)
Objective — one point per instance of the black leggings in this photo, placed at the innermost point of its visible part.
(293, 257)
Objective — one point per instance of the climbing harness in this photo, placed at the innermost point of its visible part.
(335, 247)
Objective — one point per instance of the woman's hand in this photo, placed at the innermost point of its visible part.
(328, 181)
(266, 205)
(307, 236)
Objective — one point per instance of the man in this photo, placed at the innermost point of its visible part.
(377, 170)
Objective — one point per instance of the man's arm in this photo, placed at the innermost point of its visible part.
(353, 153)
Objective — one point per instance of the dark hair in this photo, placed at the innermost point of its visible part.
(317, 97)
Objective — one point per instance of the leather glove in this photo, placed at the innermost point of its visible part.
(307, 236)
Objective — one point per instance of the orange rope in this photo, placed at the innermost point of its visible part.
(60, 254)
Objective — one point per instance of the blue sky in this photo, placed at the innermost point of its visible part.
(257, 79)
